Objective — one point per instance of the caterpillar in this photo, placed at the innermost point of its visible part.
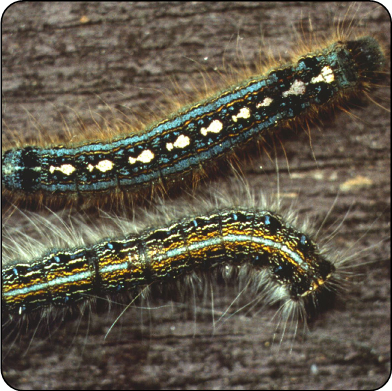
(174, 350)
(187, 255)
(237, 239)
(287, 262)
(205, 131)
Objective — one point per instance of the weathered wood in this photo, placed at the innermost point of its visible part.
(65, 58)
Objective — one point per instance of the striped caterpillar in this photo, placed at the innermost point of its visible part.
(201, 133)
(238, 240)
(223, 226)
(286, 262)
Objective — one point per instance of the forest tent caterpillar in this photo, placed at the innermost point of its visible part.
(196, 135)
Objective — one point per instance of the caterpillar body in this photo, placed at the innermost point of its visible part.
(190, 139)
(286, 262)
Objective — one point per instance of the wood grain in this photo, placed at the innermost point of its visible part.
(65, 58)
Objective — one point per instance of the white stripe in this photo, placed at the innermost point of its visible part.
(172, 253)
(45, 285)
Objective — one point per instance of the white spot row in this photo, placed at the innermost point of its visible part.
(297, 88)
(216, 126)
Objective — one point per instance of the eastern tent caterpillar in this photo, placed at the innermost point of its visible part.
(241, 240)
(353, 342)
(291, 313)
(288, 266)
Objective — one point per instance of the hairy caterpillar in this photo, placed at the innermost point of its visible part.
(286, 261)
(190, 139)
(353, 341)
(259, 286)
(236, 239)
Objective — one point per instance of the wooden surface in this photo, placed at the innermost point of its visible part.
(64, 61)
